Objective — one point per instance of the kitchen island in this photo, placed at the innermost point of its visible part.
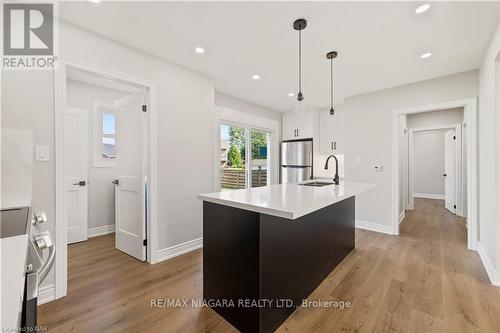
(266, 249)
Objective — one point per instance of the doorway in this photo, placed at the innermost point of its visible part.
(106, 147)
(105, 193)
(436, 165)
(403, 193)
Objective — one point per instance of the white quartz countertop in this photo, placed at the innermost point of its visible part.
(290, 201)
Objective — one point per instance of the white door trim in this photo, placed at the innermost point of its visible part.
(470, 114)
(60, 222)
(459, 163)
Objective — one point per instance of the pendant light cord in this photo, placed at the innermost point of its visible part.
(331, 83)
(332, 91)
(300, 65)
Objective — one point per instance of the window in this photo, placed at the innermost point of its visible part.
(108, 135)
(244, 157)
(259, 158)
(104, 127)
(232, 157)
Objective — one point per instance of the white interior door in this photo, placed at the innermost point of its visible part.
(130, 219)
(76, 172)
(450, 170)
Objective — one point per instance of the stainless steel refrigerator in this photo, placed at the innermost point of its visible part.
(296, 161)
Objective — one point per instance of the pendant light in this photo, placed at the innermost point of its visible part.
(332, 55)
(300, 25)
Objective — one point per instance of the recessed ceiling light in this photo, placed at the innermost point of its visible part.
(256, 76)
(291, 94)
(95, 1)
(199, 50)
(425, 55)
(422, 9)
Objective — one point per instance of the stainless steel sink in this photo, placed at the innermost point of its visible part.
(317, 184)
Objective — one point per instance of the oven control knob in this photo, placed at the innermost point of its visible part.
(40, 217)
(42, 240)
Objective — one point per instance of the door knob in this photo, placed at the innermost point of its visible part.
(116, 182)
(81, 183)
(444, 175)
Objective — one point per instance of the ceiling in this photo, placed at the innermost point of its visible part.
(379, 43)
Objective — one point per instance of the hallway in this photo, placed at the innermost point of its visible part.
(424, 280)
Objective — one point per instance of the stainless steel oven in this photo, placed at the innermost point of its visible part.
(16, 222)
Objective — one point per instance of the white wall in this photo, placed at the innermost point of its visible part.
(428, 162)
(436, 118)
(28, 104)
(368, 135)
(247, 107)
(489, 152)
(101, 192)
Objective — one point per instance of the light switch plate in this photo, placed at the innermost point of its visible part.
(42, 153)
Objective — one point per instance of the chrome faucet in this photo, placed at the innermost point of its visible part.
(336, 178)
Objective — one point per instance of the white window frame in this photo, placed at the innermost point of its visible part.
(248, 154)
(100, 108)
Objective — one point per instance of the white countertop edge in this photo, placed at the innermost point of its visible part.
(282, 212)
(251, 208)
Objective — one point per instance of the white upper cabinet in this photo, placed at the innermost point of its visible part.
(298, 125)
(331, 132)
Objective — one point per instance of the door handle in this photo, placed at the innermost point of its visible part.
(444, 175)
(116, 182)
(81, 183)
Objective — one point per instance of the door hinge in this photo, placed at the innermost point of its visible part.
(145, 242)
(144, 108)
(455, 206)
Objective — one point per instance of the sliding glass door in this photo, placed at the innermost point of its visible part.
(233, 173)
(244, 157)
(259, 165)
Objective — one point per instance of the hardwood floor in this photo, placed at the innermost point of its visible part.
(424, 280)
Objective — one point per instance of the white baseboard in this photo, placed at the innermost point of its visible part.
(46, 294)
(383, 228)
(99, 231)
(177, 250)
(401, 216)
(493, 274)
(429, 196)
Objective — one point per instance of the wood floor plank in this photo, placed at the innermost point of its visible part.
(424, 280)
